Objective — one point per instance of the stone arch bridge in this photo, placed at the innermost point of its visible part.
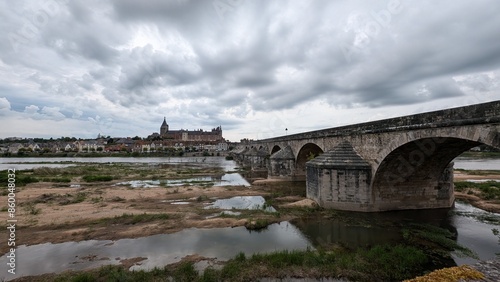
(392, 164)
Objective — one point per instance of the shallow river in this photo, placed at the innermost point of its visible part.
(223, 243)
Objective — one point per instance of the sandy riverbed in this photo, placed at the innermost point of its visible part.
(48, 220)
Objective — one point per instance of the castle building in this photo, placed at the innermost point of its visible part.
(190, 135)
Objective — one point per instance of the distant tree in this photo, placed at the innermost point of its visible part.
(99, 149)
(137, 138)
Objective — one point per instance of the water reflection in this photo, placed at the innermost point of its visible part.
(475, 232)
(160, 250)
(327, 232)
(473, 228)
(30, 163)
(242, 203)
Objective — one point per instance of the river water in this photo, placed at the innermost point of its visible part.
(30, 163)
(471, 225)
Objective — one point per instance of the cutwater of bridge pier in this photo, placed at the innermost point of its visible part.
(393, 164)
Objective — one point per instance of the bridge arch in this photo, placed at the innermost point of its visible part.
(306, 153)
(275, 149)
(417, 174)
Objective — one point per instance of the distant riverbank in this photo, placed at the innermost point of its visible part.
(115, 154)
(471, 154)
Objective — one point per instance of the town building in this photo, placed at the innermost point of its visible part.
(215, 135)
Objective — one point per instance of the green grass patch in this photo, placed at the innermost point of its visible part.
(130, 219)
(258, 224)
(22, 178)
(490, 190)
(61, 180)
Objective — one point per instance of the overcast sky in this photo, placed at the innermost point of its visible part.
(79, 68)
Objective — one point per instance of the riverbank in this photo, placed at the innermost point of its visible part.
(480, 188)
(100, 202)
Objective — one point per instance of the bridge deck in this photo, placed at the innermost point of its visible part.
(485, 113)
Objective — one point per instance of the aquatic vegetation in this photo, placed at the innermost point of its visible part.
(435, 240)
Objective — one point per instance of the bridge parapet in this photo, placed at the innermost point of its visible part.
(475, 114)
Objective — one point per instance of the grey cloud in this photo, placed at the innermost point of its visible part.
(31, 109)
(258, 57)
(4, 104)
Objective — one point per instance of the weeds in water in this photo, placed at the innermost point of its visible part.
(437, 239)
(258, 224)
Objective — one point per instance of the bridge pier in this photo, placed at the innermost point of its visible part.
(282, 165)
(258, 159)
(340, 179)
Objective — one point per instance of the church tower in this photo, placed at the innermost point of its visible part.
(164, 127)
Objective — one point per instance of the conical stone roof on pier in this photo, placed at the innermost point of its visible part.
(283, 154)
(343, 156)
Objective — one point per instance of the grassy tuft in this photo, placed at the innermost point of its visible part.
(488, 190)
(130, 219)
(97, 178)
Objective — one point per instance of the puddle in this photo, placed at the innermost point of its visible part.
(230, 179)
(242, 203)
(180, 203)
(140, 183)
(160, 250)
